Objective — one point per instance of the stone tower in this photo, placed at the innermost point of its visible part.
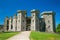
(6, 24)
(14, 23)
(49, 18)
(21, 20)
(10, 24)
(35, 20)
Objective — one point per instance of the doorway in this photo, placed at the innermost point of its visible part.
(27, 28)
(28, 23)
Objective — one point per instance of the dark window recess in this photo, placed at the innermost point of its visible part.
(16, 21)
(49, 26)
(33, 15)
(7, 22)
(11, 27)
(23, 20)
(33, 20)
(48, 21)
(23, 27)
(48, 14)
(7, 28)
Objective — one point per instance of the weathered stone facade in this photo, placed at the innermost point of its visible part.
(10, 24)
(6, 24)
(34, 20)
(21, 20)
(14, 23)
(49, 21)
(22, 23)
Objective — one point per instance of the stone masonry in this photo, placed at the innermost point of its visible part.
(18, 22)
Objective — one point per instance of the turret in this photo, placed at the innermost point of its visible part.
(35, 20)
(21, 19)
(49, 17)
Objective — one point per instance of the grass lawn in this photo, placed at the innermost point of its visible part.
(6, 35)
(44, 36)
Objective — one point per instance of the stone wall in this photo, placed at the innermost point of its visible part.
(48, 17)
(18, 23)
(10, 24)
(34, 20)
(21, 20)
(14, 23)
(6, 24)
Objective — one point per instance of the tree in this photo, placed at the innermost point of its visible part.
(58, 28)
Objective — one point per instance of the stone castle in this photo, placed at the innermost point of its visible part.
(21, 22)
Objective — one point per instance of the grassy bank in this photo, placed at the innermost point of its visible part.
(44, 36)
(6, 35)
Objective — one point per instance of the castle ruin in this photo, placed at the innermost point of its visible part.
(21, 22)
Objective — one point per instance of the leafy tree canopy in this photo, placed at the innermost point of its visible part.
(58, 27)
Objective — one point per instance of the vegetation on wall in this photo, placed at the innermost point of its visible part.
(1, 26)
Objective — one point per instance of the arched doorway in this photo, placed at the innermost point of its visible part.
(27, 28)
(28, 22)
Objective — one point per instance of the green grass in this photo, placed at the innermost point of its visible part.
(44, 36)
(6, 35)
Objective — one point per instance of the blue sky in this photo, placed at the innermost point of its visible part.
(9, 7)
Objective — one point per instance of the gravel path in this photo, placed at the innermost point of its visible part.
(21, 36)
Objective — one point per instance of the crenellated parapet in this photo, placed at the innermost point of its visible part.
(21, 11)
(34, 11)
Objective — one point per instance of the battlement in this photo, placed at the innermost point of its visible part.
(34, 11)
(21, 11)
(48, 13)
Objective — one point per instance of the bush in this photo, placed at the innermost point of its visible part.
(58, 28)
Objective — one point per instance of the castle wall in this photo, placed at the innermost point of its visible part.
(6, 24)
(49, 21)
(34, 20)
(18, 23)
(10, 24)
(42, 24)
(14, 23)
(21, 21)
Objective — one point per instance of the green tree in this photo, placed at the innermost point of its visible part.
(58, 28)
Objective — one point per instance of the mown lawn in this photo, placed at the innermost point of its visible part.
(44, 36)
(6, 35)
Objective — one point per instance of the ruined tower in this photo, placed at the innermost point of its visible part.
(14, 23)
(49, 18)
(21, 20)
(35, 20)
(6, 24)
(10, 24)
